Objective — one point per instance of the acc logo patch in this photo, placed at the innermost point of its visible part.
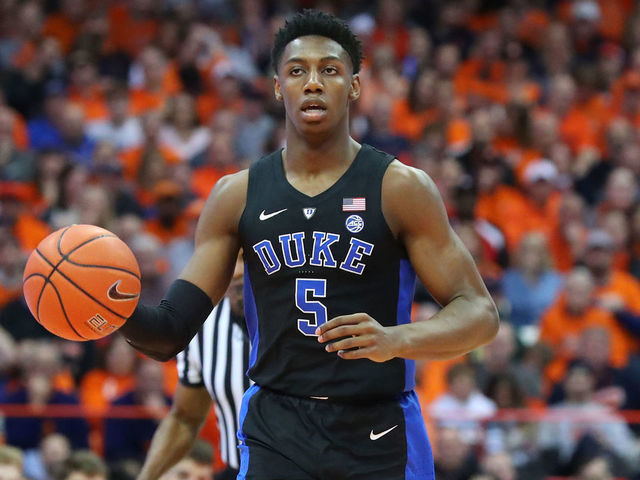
(354, 223)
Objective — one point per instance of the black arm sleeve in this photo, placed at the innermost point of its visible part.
(162, 332)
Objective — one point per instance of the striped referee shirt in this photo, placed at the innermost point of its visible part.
(218, 358)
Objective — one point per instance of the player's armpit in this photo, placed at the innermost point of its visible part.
(415, 213)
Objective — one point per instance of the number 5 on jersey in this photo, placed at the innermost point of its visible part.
(318, 289)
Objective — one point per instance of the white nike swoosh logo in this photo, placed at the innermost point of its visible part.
(266, 216)
(376, 436)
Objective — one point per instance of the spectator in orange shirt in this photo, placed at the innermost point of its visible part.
(616, 291)
(85, 89)
(569, 238)
(65, 25)
(390, 27)
(218, 161)
(514, 212)
(223, 92)
(381, 74)
(168, 222)
(482, 76)
(15, 201)
(105, 383)
(628, 103)
(573, 313)
(149, 162)
(410, 116)
(160, 82)
(576, 129)
(132, 25)
(182, 132)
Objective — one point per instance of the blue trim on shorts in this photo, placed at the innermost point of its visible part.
(419, 455)
(242, 444)
(406, 289)
(251, 316)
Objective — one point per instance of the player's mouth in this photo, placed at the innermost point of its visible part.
(313, 110)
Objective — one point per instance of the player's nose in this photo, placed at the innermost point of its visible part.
(314, 82)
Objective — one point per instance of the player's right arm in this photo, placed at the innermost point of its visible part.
(176, 433)
(162, 331)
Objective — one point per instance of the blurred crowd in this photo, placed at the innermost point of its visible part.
(525, 113)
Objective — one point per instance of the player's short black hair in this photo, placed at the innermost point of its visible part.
(314, 22)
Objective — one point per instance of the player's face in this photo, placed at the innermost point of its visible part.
(316, 84)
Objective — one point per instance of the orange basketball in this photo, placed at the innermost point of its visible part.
(82, 282)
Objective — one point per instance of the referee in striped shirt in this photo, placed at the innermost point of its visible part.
(212, 366)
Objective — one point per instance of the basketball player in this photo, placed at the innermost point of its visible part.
(212, 366)
(332, 233)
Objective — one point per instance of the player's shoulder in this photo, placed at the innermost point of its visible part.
(231, 182)
(226, 200)
(403, 181)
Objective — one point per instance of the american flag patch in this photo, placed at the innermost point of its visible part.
(354, 204)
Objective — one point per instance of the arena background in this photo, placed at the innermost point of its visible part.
(123, 114)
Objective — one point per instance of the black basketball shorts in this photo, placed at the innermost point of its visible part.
(290, 438)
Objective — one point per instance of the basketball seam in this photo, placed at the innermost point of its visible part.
(46, 280)
(66, 256)
(124, 270)
(79, 287)
(66, 317)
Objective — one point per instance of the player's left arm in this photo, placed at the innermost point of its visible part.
(415, 213)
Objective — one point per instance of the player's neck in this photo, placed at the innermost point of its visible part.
(314, 155)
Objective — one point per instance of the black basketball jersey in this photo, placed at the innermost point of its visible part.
(310, 259)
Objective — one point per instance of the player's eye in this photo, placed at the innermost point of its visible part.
(331, 70)
(296, 71)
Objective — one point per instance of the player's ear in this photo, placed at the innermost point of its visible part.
(354, 91)
(276, 88)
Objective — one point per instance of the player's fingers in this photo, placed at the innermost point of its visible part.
(348, 343)
(355, 354)
(354, 318)
(339, 332)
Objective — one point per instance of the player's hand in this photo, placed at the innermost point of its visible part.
(358, 336)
